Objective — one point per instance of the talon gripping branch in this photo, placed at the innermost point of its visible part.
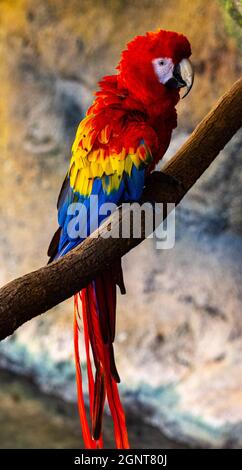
(124, 134)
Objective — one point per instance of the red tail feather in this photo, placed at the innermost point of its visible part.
(99, 306)
(81, 406)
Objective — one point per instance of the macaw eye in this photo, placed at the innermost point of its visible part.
(163, 68)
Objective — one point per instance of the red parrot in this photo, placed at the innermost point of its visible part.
(125, 133)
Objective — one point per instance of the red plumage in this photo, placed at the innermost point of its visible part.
(134, 113)
(135, 95)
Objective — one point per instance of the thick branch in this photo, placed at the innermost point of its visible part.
(36, 292)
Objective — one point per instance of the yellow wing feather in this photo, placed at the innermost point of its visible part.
(88, 163)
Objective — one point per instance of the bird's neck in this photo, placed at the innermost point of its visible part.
(157, 104)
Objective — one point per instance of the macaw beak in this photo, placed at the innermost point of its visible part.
(183, 76)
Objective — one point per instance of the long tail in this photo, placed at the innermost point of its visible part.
(99, 318)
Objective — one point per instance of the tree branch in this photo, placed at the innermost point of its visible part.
(34, 293)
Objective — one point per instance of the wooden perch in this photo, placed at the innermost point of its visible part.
(36, 292)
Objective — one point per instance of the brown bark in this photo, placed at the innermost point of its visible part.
(30, 295)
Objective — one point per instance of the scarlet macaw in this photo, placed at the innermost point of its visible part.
(125, 133)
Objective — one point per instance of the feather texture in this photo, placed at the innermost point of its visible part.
(125, 133)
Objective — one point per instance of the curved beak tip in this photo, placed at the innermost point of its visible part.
(187, 74)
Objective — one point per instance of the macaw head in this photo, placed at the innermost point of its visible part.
(157, 65)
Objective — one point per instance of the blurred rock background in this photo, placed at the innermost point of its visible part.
(179, 335)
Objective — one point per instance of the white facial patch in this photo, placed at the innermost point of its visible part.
(163, 68)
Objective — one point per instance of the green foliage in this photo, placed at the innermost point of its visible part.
(233, 17)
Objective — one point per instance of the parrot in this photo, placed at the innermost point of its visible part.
(124, 134)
